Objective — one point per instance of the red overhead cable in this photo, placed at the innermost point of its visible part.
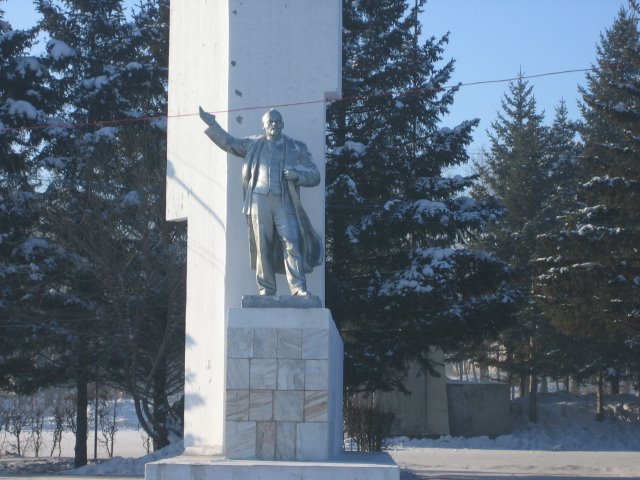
(294, 104)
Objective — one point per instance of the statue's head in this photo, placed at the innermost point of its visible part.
(272, 123)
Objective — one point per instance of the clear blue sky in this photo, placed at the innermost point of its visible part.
(493, 39)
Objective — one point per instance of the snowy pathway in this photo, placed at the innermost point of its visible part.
(432, 463)
(463, 464)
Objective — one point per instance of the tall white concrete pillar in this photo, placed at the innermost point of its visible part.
(237, 58)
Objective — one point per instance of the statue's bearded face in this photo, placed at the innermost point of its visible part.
(272, 124)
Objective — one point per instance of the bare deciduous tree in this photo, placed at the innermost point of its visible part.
(107, 419)
(36, 411)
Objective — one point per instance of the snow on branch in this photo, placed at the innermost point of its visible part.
(428, 267)
(355, 148)
(22, 108)
(131, 199)
(612, 182)
(29, 64)
(344, 187)
(59, 49)
(28, 248)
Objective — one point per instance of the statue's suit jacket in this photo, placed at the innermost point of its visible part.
(297, 157)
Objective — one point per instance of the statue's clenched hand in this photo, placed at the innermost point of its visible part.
(207, 118)
(291, 175)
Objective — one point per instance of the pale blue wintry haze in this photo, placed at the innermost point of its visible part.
(491, 40)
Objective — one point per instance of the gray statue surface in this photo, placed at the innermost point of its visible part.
(281, 238)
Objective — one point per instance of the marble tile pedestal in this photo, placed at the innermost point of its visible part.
(283, 384)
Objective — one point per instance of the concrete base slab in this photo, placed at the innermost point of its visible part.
(347, 466)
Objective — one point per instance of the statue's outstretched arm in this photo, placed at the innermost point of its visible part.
(228, 143)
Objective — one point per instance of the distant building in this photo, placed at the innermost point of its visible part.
(439, 406)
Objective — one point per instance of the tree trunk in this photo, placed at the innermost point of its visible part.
(575, 388)
(523, 386)
(566, 384)
(484, 373)
(544, 385)
(615, 385)
(599, 398)
(82, 398)
(511, 387)
(160, 407)
(533, 398)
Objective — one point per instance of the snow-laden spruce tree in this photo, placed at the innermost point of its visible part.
(122, 306)
(399, 277)
(26, 254)
(561, 357)
(527, 168)
(594, 282)
(514, 171)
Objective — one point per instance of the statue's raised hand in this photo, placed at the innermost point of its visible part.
(207, 118)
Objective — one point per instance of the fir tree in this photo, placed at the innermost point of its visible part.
(399, 278)
(563, 166)
(85, 39)
(121, 303)
(26, 255)
(563, 357)
(594, 283)
(524, 169)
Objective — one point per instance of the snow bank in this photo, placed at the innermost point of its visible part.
(128, 465)
(565, 423)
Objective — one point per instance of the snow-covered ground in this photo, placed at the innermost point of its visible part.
(566, 442)
(565, 423)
